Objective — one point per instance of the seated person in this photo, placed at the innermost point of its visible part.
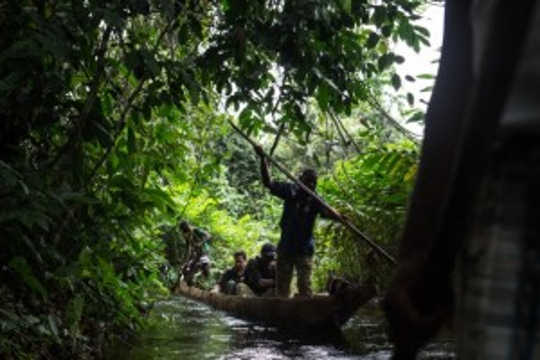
(232, 281)
(261, 272)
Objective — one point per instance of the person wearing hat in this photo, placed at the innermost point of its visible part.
(296, 245)
(261, 272)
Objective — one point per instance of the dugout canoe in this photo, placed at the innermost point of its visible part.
(318, 311)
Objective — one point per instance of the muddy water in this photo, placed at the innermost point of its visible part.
(185, 330)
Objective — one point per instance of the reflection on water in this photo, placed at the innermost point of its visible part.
(184, 329)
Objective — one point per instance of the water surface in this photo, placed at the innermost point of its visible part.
(184, 330)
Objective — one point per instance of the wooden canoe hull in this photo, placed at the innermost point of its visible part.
(319, 311)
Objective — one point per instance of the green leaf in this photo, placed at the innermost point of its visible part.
(183, 34)
(225, 5)
(422, 30)
(24, 187)
(52, 325)
(196, 27)
(245, 117)
(106, 104)
(416, 117)
(385, 61)
(131, 142)
(323, 97)
(379, 16)
(21, 267)
(424, 40)
(410, 99)
(396, 81)
(158, 197)
(372, 40)
(406, 33)
(399, 59)
(410, 78)
(387, 30)
(346, 5)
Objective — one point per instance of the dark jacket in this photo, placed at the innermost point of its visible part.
(298, 218)
(229, 275)
(256, 270)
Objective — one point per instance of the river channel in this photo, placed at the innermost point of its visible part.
(184, 330)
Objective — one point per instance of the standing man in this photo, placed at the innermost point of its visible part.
(175, 251)
(198, 245)
(296, 246)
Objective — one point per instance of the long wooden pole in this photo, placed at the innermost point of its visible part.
(344, 221)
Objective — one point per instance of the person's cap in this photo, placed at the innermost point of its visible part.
(268, 250)
(204, 260)
(184, 224)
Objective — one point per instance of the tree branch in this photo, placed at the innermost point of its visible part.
(344, 129)
(407, 133)
(276, 140)
(340, 133)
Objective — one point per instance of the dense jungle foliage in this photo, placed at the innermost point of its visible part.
(115, 129)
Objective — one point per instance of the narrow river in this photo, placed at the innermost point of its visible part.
(184, 330)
